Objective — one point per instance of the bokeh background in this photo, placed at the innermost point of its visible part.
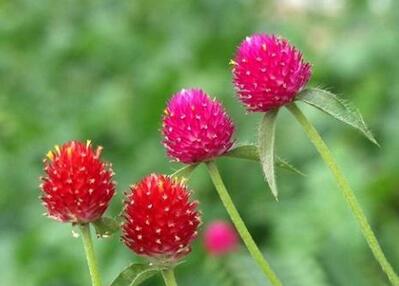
(103, 70)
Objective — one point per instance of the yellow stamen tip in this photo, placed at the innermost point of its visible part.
(69, 152)
(98, 151)
(50, 155)
(232, 62)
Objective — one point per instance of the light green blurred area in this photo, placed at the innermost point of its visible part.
(103, 70)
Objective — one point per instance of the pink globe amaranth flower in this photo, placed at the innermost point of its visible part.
(268, 72)
(195, 127)
(77, 186)
(160, 219)
(220, 238)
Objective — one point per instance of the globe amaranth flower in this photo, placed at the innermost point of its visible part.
(195, 127)
(77, 186)
(220, 238)
(160, 220)
(268, 72)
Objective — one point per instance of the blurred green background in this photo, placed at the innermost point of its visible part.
(103, 70)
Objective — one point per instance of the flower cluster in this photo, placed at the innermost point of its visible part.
(268, 73)
(160, 220)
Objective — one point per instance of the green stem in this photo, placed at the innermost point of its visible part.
(240, 225)
(90, 256)
(347, 193)
(169, 277)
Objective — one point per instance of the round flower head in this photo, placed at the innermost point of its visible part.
(220, 238)
(160, 220)
(77, 186)
(268, 72)
(195, 127)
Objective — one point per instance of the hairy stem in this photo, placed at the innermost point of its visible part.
(90, 256)
(347, 193)
(169, 277)
(240, 225)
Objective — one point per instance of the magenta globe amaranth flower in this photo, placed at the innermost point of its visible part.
(195, 127)
(268, 72)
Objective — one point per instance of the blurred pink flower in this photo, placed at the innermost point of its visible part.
(220, 238)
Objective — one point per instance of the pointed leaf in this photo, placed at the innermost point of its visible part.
(281, 163)
(134, 275)
(337, 108)
(250, 152)
(266, 137)
(105, 227)
(184, 171)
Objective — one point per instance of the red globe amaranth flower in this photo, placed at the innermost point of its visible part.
(77, 186)
(195, 127)
(268, 72)
(220, 238)
(160, 221)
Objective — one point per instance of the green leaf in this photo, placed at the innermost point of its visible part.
(135, 274)
(266, 138)
(337, 108)
(250, 152)
(184, 171)
(105, 227)
(281, 163)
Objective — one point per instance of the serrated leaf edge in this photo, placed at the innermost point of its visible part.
(347, 105)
